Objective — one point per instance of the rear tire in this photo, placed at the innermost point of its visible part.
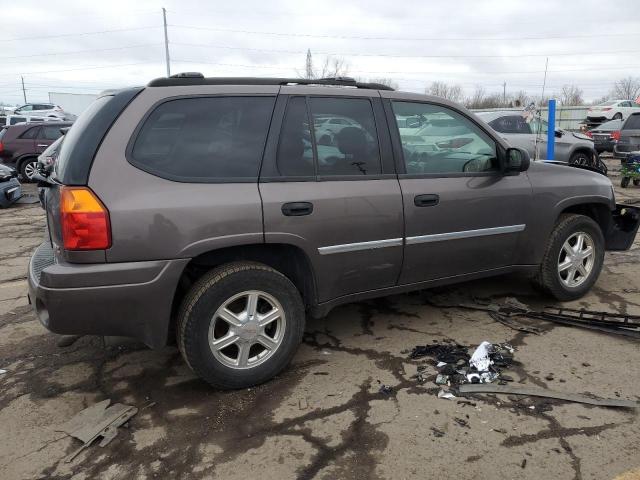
(27, 168)
(553, 277)
(617, 116)
(204, 313)
(580, 158)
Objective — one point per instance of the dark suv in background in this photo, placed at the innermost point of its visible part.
(20, 145)
(220, 211)
(629, 137)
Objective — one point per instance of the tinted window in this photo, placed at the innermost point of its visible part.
(14, 120)
(348, 144)
(31, 133)
(199, 139)
(510, 124)
(50, 132)
(444, 142)
(632, 123)
(295, 153)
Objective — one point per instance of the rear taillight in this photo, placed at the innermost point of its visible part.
(1, 147)
(589, 134)
(606, 109)
(615, 135)
(85, 220)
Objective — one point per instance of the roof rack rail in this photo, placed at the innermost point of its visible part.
(196, 78)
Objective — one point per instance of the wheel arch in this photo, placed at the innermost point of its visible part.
(598, 211)
(290, 260)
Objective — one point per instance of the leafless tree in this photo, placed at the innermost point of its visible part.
(571, 95)
(626, 88)
(519, 99)
(441, 89)
(600, 100)
(331, 67)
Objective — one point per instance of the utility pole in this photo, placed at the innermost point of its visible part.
(166, 40)
(24, 92)
(504, 93)
(309, 65)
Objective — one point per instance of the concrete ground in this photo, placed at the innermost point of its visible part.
(324, 416)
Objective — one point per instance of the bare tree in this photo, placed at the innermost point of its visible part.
(389, 82)
(571, 95)
(332, 67)
(441, 89)
(626, 88)
(477, 98)
(600, 100)
(520, 99)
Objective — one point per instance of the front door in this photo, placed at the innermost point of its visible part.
(462, 215)
(328, 186)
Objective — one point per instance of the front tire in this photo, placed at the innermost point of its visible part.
(573, 258)
(580, 158)
(240, 325)
(28, 168)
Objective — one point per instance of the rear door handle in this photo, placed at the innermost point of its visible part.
(427, 200)
(42, 145)
(297, 209)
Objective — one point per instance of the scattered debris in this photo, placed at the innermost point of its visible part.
(436, 432)
(68, 340)
(386, 389)
(2, 371)
(513, 324)
(539, 392)
(461, 422)
(97, 421)
(446, 395)
(480, 359)
(524, 463)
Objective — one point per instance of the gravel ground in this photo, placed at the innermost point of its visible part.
(324, 416)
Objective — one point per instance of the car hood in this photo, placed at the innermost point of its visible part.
(577, 174)
(7, 172)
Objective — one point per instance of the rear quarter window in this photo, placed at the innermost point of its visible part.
(204, 139)
(632, 123)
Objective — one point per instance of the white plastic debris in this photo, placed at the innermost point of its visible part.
(441, 364)
(446, 395)
(480, 358)
(2, 371)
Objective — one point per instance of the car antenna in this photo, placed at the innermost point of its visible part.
(544, 84)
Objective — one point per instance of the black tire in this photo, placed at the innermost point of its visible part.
(636, 181)
(617, 116)
(580, 158)
(208, 294)
(624, 183)
(548, 279)
(24, 164)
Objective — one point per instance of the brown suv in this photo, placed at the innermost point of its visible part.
(21, 144)
(220, 210)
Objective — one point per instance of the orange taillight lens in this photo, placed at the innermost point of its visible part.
(85, 220)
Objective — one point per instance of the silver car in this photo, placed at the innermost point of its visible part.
(570, 147)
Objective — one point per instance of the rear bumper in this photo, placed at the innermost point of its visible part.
(10, 191)
(132, 299)
(623, 227)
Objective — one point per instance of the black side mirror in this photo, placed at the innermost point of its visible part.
(517, 160)
(559, 133)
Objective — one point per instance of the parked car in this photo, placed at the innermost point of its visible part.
(570, 147)
(47, 159)
(629, 141)
(19, 119)
(611, 110)
(21, 144)
(10, 188)
(41, 110)
(605, 136)
(204, 207)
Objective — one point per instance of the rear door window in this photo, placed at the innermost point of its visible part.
(511, 124)
(632, 123)
(31, 133)
(204, 139)
(50, 132)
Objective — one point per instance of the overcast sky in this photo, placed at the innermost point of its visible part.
(85, 47)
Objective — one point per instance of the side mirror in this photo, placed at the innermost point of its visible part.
(559, 133)
(517, 160)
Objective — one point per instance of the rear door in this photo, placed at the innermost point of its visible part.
(462, 215)
(630, 135)
(333, 192)
(47, 134)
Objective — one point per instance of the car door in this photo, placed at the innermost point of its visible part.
(462, 214)
(337, 197)
(46, 136)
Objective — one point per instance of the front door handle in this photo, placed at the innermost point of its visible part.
(427, 200)
(297, 209)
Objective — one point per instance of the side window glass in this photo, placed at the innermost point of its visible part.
(444, 142)
(510, 124)
(30, 134)
(295, 152)
(347, 145)
(50, 133)
(204, 139)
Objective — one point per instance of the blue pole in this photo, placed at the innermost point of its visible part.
(551, 130)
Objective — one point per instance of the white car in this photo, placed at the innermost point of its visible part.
(612, 110)
(41, 110)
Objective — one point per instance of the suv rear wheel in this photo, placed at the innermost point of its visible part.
(28, 167)
(573, 258)
(240, 325)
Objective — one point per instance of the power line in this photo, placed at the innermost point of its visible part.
(338, 54)
(81, 68)
(4, 40)
(403, 39)
(80, 51)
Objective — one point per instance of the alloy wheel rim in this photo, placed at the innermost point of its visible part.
(576, 259)
(30, 169)
(247, 329)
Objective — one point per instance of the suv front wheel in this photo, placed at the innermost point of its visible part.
(240, 325)
(573, 258)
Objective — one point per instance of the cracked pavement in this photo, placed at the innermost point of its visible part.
(324, 417)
